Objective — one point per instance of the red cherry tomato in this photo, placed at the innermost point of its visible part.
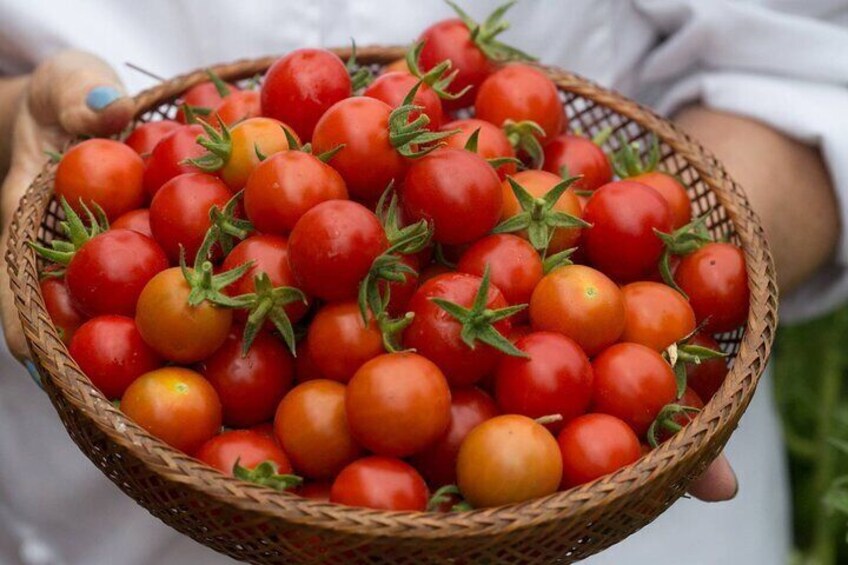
(400, 293)
(179, 213)
(101, 171)
(457, 191)
(514, 265)
(312, 427)
(398, 404)
(673, 192)
(595, 445)
(555, 380)
(492, 142)
(168, 158)
(287, 185)
(340, 342)
(716, 281)
(301, 86)
(622, 241)
(382, 483)
(706, 377)
(572, 155)
(108, 273)
(135, 220)
(392, 89)
(60, 306)
(657, 315)
(236, 107)
(111, 353)
(250, 386)
(520, 93)
(469, 408)
(332, 247)
(145, 136)
(436, 334)
(581, 303)
(304, 368)
(202, 95)
(690, 399)
(633, 383)
(245, 447)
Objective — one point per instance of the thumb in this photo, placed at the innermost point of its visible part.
(79, 93)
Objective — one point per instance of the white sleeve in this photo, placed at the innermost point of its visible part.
(782, 62)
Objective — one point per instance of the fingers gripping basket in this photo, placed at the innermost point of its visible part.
(256, 524)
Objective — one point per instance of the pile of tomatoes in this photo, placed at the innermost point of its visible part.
(336, 284)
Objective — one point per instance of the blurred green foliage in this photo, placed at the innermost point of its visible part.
(812, 395)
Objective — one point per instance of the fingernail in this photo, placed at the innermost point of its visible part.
(101, 96)
(33, 373)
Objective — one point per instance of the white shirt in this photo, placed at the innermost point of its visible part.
(776, 60)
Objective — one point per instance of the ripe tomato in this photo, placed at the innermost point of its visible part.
(145, 136)
(176, 405)
(673, 192)
(382, 483)
(392, 89)
(633, 383)
(111, 353)
(555, 379)
(520, 93)
(595, 445)
(304, 368)
(101, 171)
(179, 213)
(657, 315)
(622, 241)
(249, 386)
(176, 330)
(450, 40)
(135, 220)
(716, 282)
(571, 155)
(469, 408)
(397, 404)
(316, 491)
(245, 447)
(203, 95)
(690, 399)
(581, 303)
(706, 377)
(362, 125)
(400, 293)
(287, 185)
(340, 342)
(312, 427)
(513, 264)
(539, 183)
(236, 107)
(107, 274)
(457, 191)
(508, 459)
(170, 157)
(60, 306)
(301, 86)
(332, 247)
(436, 334)
(492, 142)
(247, 139)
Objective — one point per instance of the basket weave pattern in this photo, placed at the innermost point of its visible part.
(256, 524)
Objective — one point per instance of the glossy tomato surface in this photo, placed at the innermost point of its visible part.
(340, 342)
(657, 315)
(514, 266)
(60, 306)
(137, 220)
(392, 88)
(572, 155)
(145, 136)
(492, 142)
(169, 157)
(246, 448)
(382, 483)
(595, 445)
(250, 140)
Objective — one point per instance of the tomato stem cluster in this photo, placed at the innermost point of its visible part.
(485, 35)
(62, 251)
(435, 78)
(682, 241)
(265, 474)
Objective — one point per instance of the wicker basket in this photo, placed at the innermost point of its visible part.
(256, 524)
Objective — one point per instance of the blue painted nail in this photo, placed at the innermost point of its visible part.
(101, 96)
(33, 372)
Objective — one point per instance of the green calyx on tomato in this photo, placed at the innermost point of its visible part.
(191, 113)
(265, 474)
(62, 251)
(524, 137)
(435, 78)
(220, 86)
(294, 145)
(538, 215)
(360, 76)
(682, 241)
(667, 420)
(224, 229)
(478, 321)
(626, 161)
(485, 35)
(557, 260)
(205, 285)
(495, 162)
(412, 139)
(448, 494)
(682, 353)
(219, 146)
(268, 302)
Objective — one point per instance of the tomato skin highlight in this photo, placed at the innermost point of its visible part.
(245, 447)
(707, 377)
(673, 192)
(176, 405)
(382, 483)
(60, 306)
(492, 142)
(595, 445)
(136, 220)
(514, 266)
(657, 315)
(556, 379)
(300, 87)
(398, 404)
(508, 459)
(144, 137)
(578, 155)
(168, 158)
(633, 383)
(340, 342)
(111, 353)
(101, 171)
(108, 273)
(311, 425)
(392, 89)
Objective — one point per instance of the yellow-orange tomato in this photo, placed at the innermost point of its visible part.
(176, 330)
(508, 459)
(657, 315)
(176, 405)
(264, 135)
(311, 425)
(581, 303)
(538, 183)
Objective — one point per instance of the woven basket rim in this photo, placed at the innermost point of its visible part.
(172, 465)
